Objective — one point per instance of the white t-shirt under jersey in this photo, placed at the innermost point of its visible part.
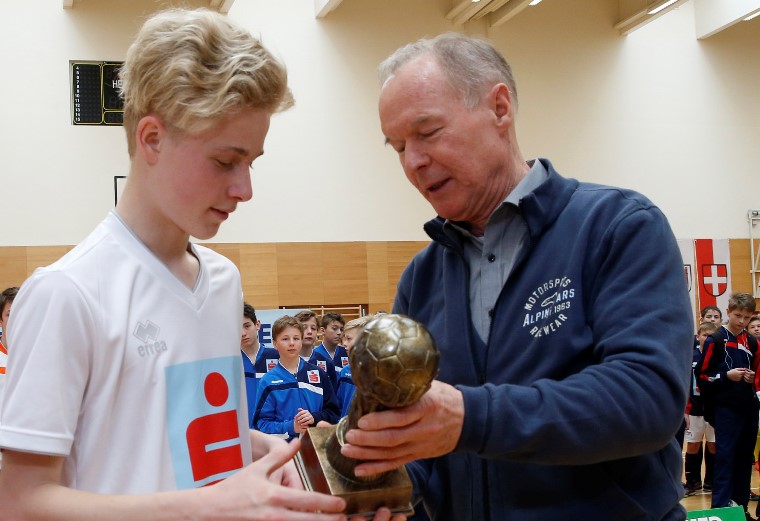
(130, 375)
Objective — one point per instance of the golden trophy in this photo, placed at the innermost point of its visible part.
(393, 362)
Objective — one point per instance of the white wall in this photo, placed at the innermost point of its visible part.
(657, 111)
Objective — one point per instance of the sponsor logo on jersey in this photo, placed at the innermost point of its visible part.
(322, 365)
(150, 345)
(146, 332)
(548, 306)
(313, 376)
(204, 427)
(344, 361)
(271, 363)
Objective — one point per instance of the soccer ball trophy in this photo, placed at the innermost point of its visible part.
(393, 362)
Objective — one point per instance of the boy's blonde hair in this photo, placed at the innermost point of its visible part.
(194, 67)
(707, 327)
(358, 323)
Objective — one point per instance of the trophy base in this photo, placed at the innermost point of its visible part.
(394, 491)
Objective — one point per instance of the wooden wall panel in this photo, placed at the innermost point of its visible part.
(741, 277)
(399, 255)
(258, 270)
(299, 273)
(14, 269)
(344, 273)
(37, 256)
(378, 298)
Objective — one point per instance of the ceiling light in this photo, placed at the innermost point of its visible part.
(535, 2)
(753, 15)
(657, 8)
(475, 1)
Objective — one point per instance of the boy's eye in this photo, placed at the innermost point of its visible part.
(225, 165)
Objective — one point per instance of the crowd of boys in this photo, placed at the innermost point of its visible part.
(723, 404)
(296, 385)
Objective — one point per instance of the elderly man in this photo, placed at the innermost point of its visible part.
(559, 307)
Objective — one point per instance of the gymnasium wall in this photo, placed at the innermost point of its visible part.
(315, 274)
(279, 274)
(657, 111)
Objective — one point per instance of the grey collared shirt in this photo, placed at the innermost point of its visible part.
(492, 257)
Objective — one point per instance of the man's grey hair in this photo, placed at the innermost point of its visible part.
(471, 65)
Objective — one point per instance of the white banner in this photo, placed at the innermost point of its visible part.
(687, 254)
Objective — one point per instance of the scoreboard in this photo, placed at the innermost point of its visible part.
(95, 96)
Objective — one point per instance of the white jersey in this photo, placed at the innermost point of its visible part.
(130, 375)
(3, 364)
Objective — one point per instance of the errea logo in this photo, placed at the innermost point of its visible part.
(148, 334)
(548, 306)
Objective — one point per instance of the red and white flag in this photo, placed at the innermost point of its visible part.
(713, 261)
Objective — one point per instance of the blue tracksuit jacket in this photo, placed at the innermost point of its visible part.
(322, 360)
(340, 359)
(280, 394)
(266, 357)
(346, 390)
(572, 406)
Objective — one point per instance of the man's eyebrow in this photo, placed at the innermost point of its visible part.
(415, 123)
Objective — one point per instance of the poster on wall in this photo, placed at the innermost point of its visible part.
(95, 93)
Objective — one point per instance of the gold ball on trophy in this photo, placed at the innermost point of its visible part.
(393, 361)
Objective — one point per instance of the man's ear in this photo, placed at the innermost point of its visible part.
(501, 103)
(150, 134)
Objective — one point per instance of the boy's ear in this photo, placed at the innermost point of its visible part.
(150, 134)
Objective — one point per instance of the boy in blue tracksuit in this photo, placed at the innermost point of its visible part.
(331, 327)
(321, 358)
(294, 395)
(727, 375)
(257, 360)
(697, 428)
(346, 387)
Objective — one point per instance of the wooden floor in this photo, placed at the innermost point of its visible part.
(701, 501)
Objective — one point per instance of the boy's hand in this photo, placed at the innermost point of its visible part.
(304, 417)
(739, 374)
(252, 494)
